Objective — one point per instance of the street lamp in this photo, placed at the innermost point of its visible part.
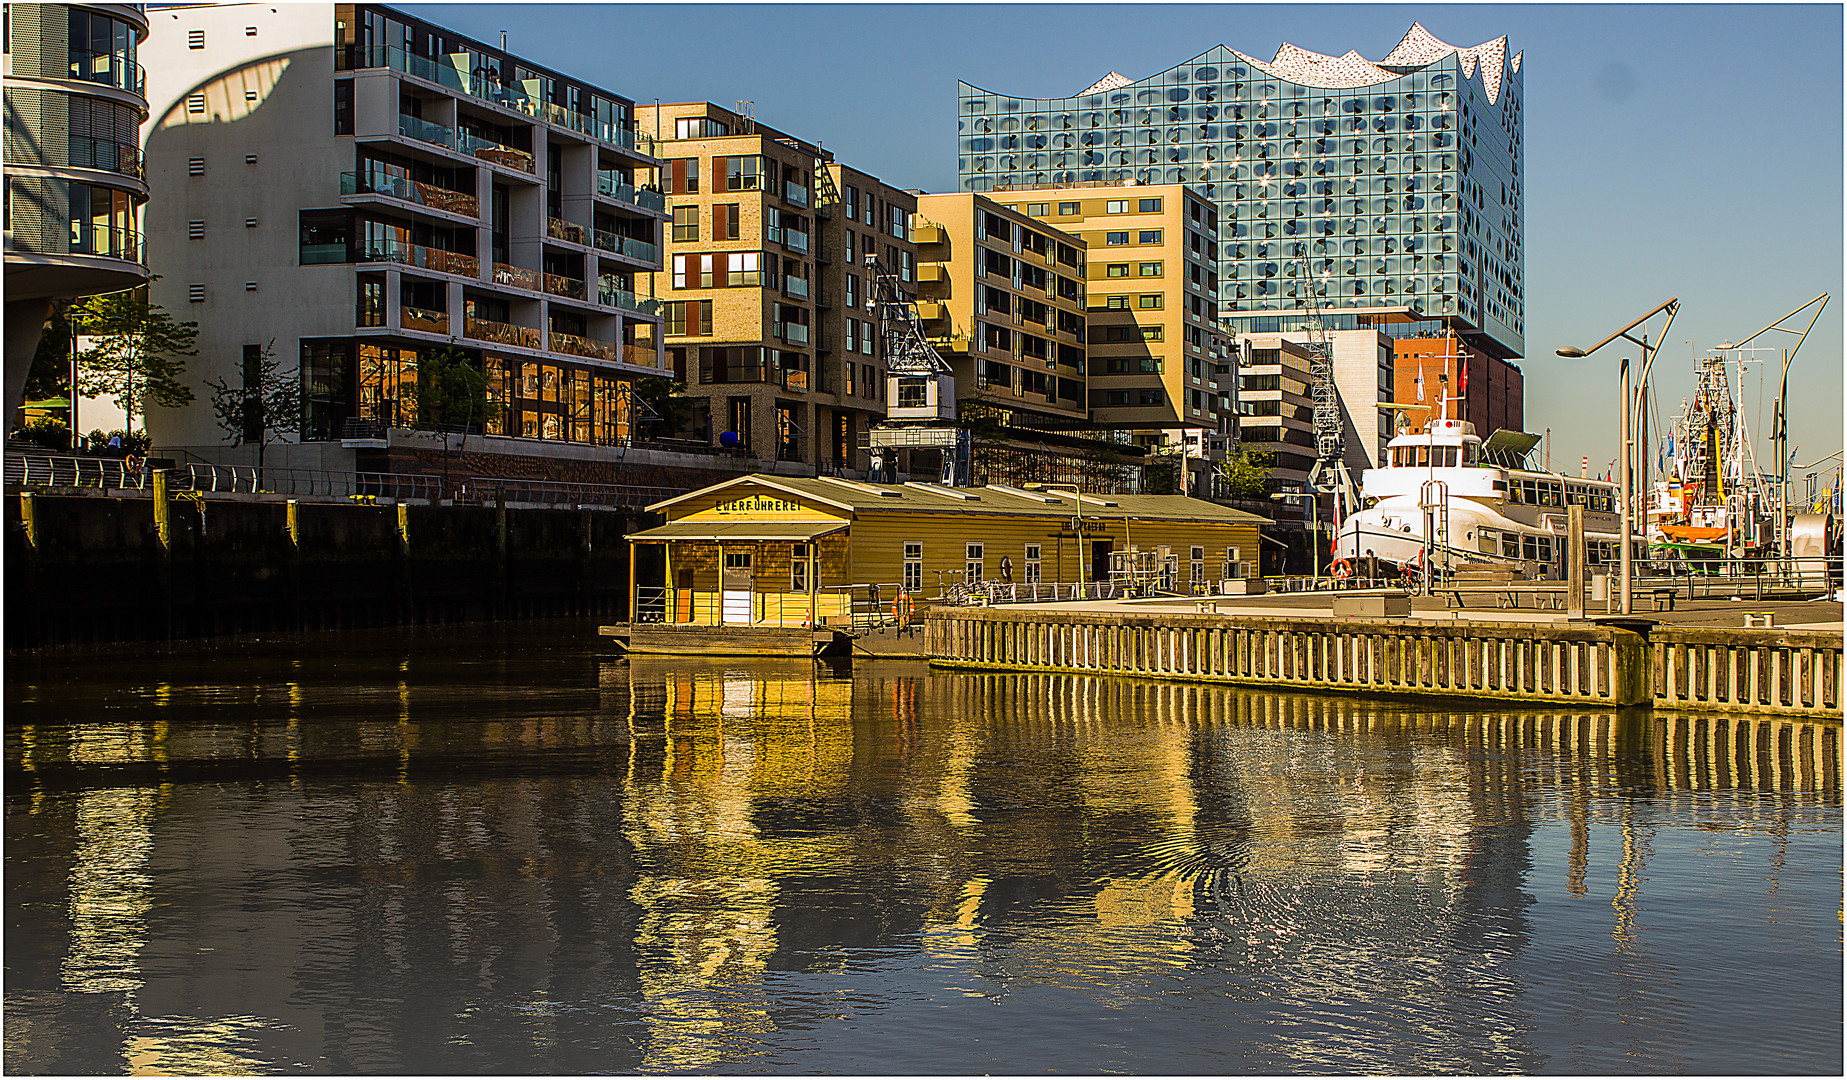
(1780, 430)
(1672, 307)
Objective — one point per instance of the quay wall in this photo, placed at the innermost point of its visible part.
(1785, 673)
(93, 567)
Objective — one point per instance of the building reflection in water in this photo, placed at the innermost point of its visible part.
(637, 882)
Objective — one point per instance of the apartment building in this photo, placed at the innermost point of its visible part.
(357, 189)
(75, 101)
(1001, 296)
(768, 296)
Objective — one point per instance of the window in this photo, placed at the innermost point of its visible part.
(1149, 300)
(689, 318)
(1118, 206)
(1149, 269)
(972, 571)
(798, 568)
(724, 221)
(685, 223)
(1151, 236)
(744, 173)
(744, 268)
(699, 127)
(1116, 269)
(869, 382)
(851, 202)
(1032, 564)
(680, 176)
(1038, 209)
(1116, 303)
(852, 289)
(1069, 209)
(913, 567)
(900, 221)
(1151, 206)
(1115, 238)
(1198, 575)
(1150, 397)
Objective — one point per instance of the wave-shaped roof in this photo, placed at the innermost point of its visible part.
(1419, 48)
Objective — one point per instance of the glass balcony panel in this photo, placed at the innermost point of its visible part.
(795, 241)
(430, 322)
(795, 194)
(398, 187)
(500, 333)
(797, 287)
(614, 188)
(516, 277)
(578, 345)
(560, 229)
(423, 131)
(568, 287)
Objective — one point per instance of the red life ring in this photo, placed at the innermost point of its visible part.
(903, 609)
(1341, 569)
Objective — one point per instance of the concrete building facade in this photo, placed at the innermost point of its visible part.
(76, 96)
(356, 189)
(767, 292)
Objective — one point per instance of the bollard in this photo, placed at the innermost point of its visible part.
(404, 528)
(162, 524)
(294, 524)
(28, 516)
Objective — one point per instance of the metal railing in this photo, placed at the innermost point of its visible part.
(1045, 592)
(489, 489)
(647, 198)
(1748, 579)
(415, 191)
(109, 69)
(858, 606)
(484, 86)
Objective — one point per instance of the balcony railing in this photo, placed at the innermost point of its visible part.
(427, 258)
(463, 142)
(500, 333)
(793, 333)
(639, 250)
(516, 277)
(568, 287)
(416, 191)
(560, 229)
(795, 241)
(795, 380)
(646, 198)
(429, 322)
(106, 154)
(86, 238)
(109, 69)
(577, 345)
(641, 355)
(616, 296)
(484, 85)
(795, 194)
(797, 287)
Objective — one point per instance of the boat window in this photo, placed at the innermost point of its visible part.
(1471, 453)
(1554, 495)
(1529, 492)
(1423, 456)
(1529, 547)
(1510, 545)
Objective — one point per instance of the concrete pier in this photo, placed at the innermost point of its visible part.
(1784, 673)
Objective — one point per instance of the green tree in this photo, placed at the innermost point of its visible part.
(451, 391)
(50, 375)
(136, 354)
(662, 404)
(265, 408)
(1243, 472)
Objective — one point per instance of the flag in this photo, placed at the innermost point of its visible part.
(1462, 376)
(1420, 380)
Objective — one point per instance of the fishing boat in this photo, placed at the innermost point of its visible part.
(1447, 500)
(1710, 504)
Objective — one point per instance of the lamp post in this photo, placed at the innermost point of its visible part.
(1672, 307)
(1780, 429)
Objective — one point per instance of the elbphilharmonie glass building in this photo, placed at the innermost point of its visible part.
(1393, 184)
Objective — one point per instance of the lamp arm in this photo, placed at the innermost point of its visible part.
(1648, 355)
(1822, 300)
(1671, 302)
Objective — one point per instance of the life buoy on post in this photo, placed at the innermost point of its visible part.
(903, 610)
(1341, 569)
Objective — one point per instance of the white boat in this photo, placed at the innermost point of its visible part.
(1445, 498)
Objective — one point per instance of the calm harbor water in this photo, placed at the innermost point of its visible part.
(497, 849)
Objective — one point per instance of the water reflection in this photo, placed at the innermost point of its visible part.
(524, 858)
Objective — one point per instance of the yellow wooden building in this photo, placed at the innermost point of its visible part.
(793, 551)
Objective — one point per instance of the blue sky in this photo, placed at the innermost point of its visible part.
(1671, 150)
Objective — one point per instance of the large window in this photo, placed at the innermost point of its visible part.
(743, 173)
(102, 50)
(104, 221)
(689, 318)
(685, 224)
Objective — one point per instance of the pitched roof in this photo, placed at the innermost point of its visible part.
(929, 498)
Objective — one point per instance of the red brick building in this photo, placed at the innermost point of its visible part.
(1485, 390)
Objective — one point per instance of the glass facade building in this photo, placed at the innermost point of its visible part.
(1393, 184)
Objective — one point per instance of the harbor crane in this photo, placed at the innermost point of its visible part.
(920, 389)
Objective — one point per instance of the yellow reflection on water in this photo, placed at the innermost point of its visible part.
(109, 890)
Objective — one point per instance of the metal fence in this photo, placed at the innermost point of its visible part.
(860, 607)
(76, 471)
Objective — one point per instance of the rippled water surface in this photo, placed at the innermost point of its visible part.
(500, 850)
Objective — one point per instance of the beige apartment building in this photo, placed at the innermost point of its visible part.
(1152, 300)
(1001, 296)
(767, 297)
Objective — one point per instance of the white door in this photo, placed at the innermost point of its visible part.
(737, 604)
